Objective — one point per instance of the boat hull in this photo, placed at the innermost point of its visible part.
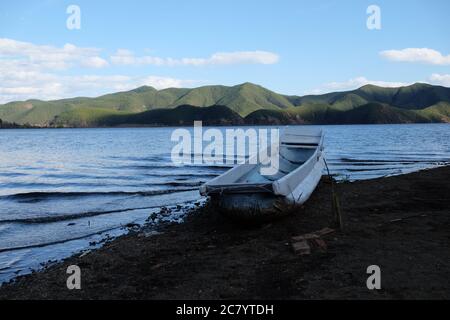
(304, 190)
(245, 192)
(259, 201)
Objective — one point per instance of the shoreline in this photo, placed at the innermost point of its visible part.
(400, 223)
(224, 125)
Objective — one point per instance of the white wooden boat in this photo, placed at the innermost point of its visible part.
(299, 171)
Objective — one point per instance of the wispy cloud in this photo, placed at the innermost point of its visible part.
(423, 55)
(94, 62)
(29, 70)
(440, 79)
(48, 86)
(35, 71)
(126, 57)
(32, 56)
(354, 83)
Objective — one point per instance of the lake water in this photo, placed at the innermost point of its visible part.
(61, 189)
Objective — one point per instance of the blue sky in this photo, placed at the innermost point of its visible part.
(292, 47)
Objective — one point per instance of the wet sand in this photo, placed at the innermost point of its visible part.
(401, 224)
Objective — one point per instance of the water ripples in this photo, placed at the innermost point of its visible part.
(55, 193)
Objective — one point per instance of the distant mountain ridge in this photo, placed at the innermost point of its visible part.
(416, 96)
(246, 103)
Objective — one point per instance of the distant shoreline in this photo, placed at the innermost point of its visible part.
(219, 125)
(387, 221)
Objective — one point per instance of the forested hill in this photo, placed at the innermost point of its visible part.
(246, 103)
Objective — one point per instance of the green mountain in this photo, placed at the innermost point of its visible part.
(246, 103)
(243, 99)
(179, 116)
(416, 96)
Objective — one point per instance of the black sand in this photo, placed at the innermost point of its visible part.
(400, 223)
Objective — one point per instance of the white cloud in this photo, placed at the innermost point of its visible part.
(32, 56)
(165, 82)
(423, 55)
(29, 71)
(17, 85)
(89, 86)
(440, 79)
(94, 62)
(355, 83)
(126, 57)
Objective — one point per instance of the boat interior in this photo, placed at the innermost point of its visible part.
(290, 158)
(294, 150)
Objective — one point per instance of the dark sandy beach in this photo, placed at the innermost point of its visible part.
(401, 224)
